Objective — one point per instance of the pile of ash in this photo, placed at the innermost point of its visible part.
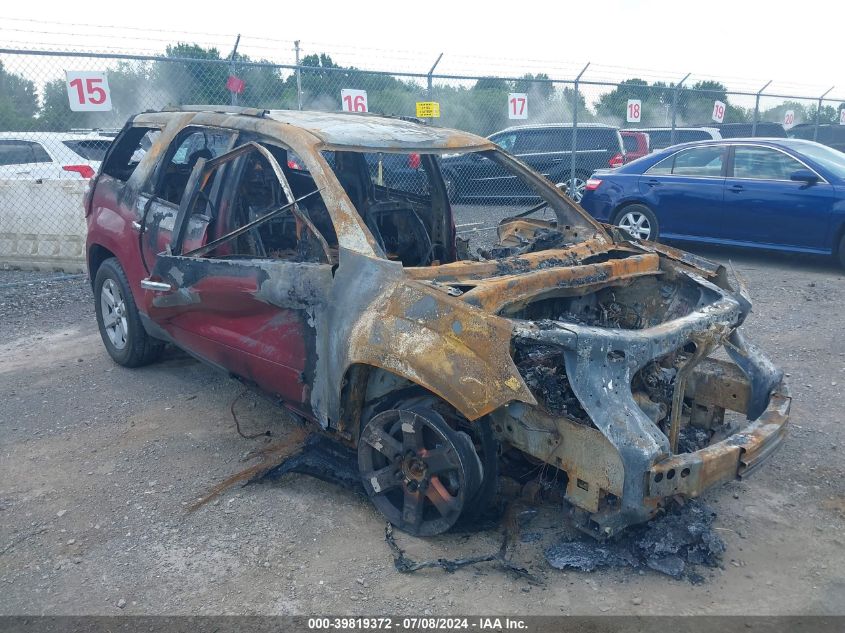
(674, 544)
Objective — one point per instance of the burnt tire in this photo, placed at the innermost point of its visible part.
(638, 221)
(118, 319)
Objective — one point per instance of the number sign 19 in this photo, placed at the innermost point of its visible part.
(718, 111)
(353, 100)
(517, 105)
(635, 111)
(88, 91)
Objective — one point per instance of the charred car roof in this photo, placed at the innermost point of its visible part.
(339, 130)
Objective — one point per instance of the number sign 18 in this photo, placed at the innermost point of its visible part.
(517, 105)
(635, 111)
(353, 100)
(88, 91)
(718, 111)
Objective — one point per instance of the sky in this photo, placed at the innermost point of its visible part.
(744, 43)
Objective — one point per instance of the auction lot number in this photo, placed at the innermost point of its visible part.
(353, 100)
(88, 91)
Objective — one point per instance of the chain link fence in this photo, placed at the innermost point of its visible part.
(50, 145)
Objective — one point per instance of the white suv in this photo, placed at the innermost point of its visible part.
(49, 155)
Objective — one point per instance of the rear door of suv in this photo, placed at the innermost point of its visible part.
(545, 150)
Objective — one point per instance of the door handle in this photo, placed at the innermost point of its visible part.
(157, 286)
(736, 188)
(653, 183)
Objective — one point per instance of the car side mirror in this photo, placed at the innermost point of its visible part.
(804, 175)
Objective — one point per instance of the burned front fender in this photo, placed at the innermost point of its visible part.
(380, 318)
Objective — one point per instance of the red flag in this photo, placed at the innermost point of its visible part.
(236, 85)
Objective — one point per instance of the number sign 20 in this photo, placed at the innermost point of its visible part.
(88, 91)
(353, 100)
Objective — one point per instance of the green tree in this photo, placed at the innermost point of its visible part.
(199, 80)
(18, 102)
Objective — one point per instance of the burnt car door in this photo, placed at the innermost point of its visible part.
(158, 204)
(240, 290)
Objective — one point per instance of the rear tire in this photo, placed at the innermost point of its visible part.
(840, 254)
(638, 221)
(118, 319)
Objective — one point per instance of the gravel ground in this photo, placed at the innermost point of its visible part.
(100, 465)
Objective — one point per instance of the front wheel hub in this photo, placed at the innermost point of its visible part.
(417, 470)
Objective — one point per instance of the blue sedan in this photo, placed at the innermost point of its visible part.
(783, 194)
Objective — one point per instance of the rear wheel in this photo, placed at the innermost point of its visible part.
(638, 221)
(124, 337)
(418, 471)
(578, 192)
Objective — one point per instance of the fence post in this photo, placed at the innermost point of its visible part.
(234, 95)
(675, 107)
(819, 113)
(572, 190)
(429, 78)
(757, 108)
(298, 77)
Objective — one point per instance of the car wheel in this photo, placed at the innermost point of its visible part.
(420, 473)
(638, 221)
(120, 326)
(580, 184)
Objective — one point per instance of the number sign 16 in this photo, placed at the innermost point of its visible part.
(635, 110)
(353, 100)
(718, 111)
(88, 91)
(517, 105)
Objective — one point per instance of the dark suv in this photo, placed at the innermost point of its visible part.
(545, 148)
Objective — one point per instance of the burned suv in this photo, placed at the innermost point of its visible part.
(264, 243)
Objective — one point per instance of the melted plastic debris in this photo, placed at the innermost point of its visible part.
(672, 544)
(323, 458)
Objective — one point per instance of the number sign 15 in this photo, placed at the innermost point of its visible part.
(353, 100)
(718, 111)
(635, 110)
(88, 91)
(517, 105)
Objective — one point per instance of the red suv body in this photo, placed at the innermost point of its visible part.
(281, 247)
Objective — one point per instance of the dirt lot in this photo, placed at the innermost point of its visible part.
(99, 465)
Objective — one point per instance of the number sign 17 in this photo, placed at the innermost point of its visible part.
(353, 100)
(517, 105)
(88, 91)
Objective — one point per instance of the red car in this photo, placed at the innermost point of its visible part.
(265, 244)
(636, 144)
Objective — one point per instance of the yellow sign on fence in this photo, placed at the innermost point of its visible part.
(428, 110)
